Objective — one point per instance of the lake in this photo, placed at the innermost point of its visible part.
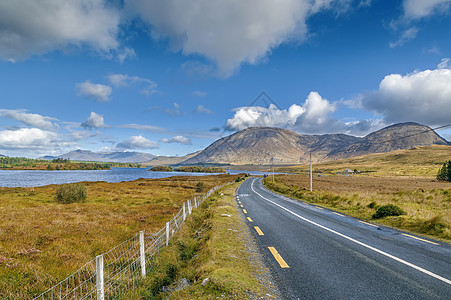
(30, 178)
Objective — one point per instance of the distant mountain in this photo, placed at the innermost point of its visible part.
(267, 145)
(87, 155)
(169, 160)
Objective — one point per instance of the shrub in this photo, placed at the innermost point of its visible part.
(387, 210)
(444, 174)
(200, 187)
(372, 204)
(71, 193)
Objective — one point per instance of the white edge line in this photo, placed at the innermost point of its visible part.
(357, 242)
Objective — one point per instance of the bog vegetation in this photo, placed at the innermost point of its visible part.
(444, 174)
(43, 241)
(200, 169)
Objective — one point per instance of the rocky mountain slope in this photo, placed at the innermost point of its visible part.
(265, 145)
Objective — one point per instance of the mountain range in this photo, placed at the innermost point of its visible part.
(269, 145)
(87, 155)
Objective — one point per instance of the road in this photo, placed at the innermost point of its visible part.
(315, 253)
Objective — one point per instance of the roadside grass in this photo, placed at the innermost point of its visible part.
(425, 202)
(418, 161)
(210, 245)
(42, 242)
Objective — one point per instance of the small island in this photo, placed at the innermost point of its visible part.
(194, 169)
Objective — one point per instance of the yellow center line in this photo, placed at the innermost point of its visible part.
(279, 258)
(318, 207)
(338, 214)
(245, 211)
(369, 224)
(423, 240)
(249, 219)
(241, 205)
(259, 231)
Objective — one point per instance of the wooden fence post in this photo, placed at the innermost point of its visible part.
(99, 278)
(167, 233)
(142, 253)
(184, 211)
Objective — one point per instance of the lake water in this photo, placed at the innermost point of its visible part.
(29, 178)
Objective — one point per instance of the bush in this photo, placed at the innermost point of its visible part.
(71, 193)
(200, 187)
(372, 204)
(444, 174)
(388, 210)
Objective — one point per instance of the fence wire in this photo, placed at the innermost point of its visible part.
(121, 267)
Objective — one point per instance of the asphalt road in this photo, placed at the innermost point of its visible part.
(315, 253)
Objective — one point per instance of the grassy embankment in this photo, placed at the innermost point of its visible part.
(211, 245)
(425, 201)
(41, 242)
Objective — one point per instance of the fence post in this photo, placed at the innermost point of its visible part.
(167, 233)
(99, 278)
(184, 211)
(189, 207)
(142, 253)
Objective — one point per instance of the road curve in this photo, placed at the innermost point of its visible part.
(315, 253)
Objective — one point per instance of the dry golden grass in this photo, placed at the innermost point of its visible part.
(426, 202)
(41, 242)
(419, 161)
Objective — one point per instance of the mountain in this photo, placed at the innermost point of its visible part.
(169, 160)
(267, 145)
(87, 155)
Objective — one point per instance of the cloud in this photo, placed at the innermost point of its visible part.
(444, 64)
(27, 138)
(33, 120)
(124, 80)
(199, 93)
(55, 24)
(226, 32)
(203, 109)
(125, 54)
(175, 111)
(150, 128)
(416, 9)
(407, 35)
(422, 96)
(136, 142)
(98, 92)
(94, 121)
(177, 139)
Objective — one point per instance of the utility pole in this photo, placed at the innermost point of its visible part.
(311, 174)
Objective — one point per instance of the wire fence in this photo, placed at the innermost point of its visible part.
(121, 269)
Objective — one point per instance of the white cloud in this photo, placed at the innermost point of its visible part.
(444, 64)
(94, 121)
(202, 109)
(423, 97)
(124, 80)
(125, 54)
(150, 128)
(177, 139)
(230, 32)
(33, 120)
(98, 92)
(199, 93)
(27, 138)
(416, 9)
(136, 142)
(407, 35)
(30, 27)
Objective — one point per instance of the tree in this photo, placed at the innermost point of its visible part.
(444, 174)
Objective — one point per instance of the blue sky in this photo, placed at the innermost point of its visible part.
(170, 77)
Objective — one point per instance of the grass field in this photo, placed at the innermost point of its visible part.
(419, 161)
(426, 202)
(41, 242)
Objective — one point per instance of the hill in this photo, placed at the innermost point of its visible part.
(267, 145)
(417, 161)
(87, 155)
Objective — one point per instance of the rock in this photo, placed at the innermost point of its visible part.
(167, 289)
(183, 284)
(205, 281)
(226, 215)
